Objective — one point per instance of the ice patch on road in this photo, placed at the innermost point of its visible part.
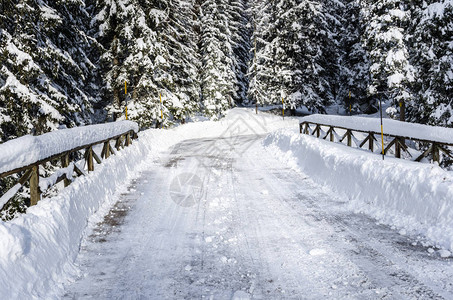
(317, 252)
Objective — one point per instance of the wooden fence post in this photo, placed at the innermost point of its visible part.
(128, 139)
(371, 142)
(89, 158)
(106, 149)
(436, 156)
(65, 164)
(331, 134)
(118, 143)
(348, 132)
(397, 148)
(35, 193)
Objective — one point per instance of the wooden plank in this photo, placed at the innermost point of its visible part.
(96, 158)
(25, 177)
(446, 151)
(307, 128)
(78, 171)
(35, 193)
(327, 133)
(364, 141)
(402, 144)
(389, 146)
(344, 136)
(349, 138)
(332, 139)
(424, 154)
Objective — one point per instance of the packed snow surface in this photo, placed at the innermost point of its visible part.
(29, 149)
(225, 210)
(392, 127)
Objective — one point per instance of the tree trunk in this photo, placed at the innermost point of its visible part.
(402, 111)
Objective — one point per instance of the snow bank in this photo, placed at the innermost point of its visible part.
(416, 197)
(28, 149)
(393, 127)
(37, 250)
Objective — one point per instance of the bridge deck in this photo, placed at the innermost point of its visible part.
(219, 218)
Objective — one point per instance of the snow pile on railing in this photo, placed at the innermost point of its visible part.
(392, 127)
(29, 149)
(409, 195)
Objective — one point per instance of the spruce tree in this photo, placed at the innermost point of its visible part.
(432, 55)
(45, 70)
(353, 60)
(217, 75)
(386, 39)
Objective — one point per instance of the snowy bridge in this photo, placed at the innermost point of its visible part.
(244, 208)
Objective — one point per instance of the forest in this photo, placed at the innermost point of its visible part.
(66, 63)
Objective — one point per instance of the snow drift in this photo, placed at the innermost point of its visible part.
(414, 196)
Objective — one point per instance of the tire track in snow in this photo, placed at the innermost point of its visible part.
(381, 269)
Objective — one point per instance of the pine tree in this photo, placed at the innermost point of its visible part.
(240, 36)
(45, 69)
(432, 55)
(386, 39)
(217, 64)
(263, 17)
(296, 54)
(353, 60)
(151, 46)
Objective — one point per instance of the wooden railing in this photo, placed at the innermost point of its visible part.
(30, 172)
(397, 143)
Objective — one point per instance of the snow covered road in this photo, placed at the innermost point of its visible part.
(220, 218)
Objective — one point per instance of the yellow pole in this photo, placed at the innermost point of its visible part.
(382, 128)
(254, 59)
(161, 114)
(125, 92)
(349, 102)
(382, 138)
(283, 108)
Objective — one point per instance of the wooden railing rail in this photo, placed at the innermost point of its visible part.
(397, 143)
(30, 172)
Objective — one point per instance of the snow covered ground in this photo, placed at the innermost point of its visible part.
(222, 210)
